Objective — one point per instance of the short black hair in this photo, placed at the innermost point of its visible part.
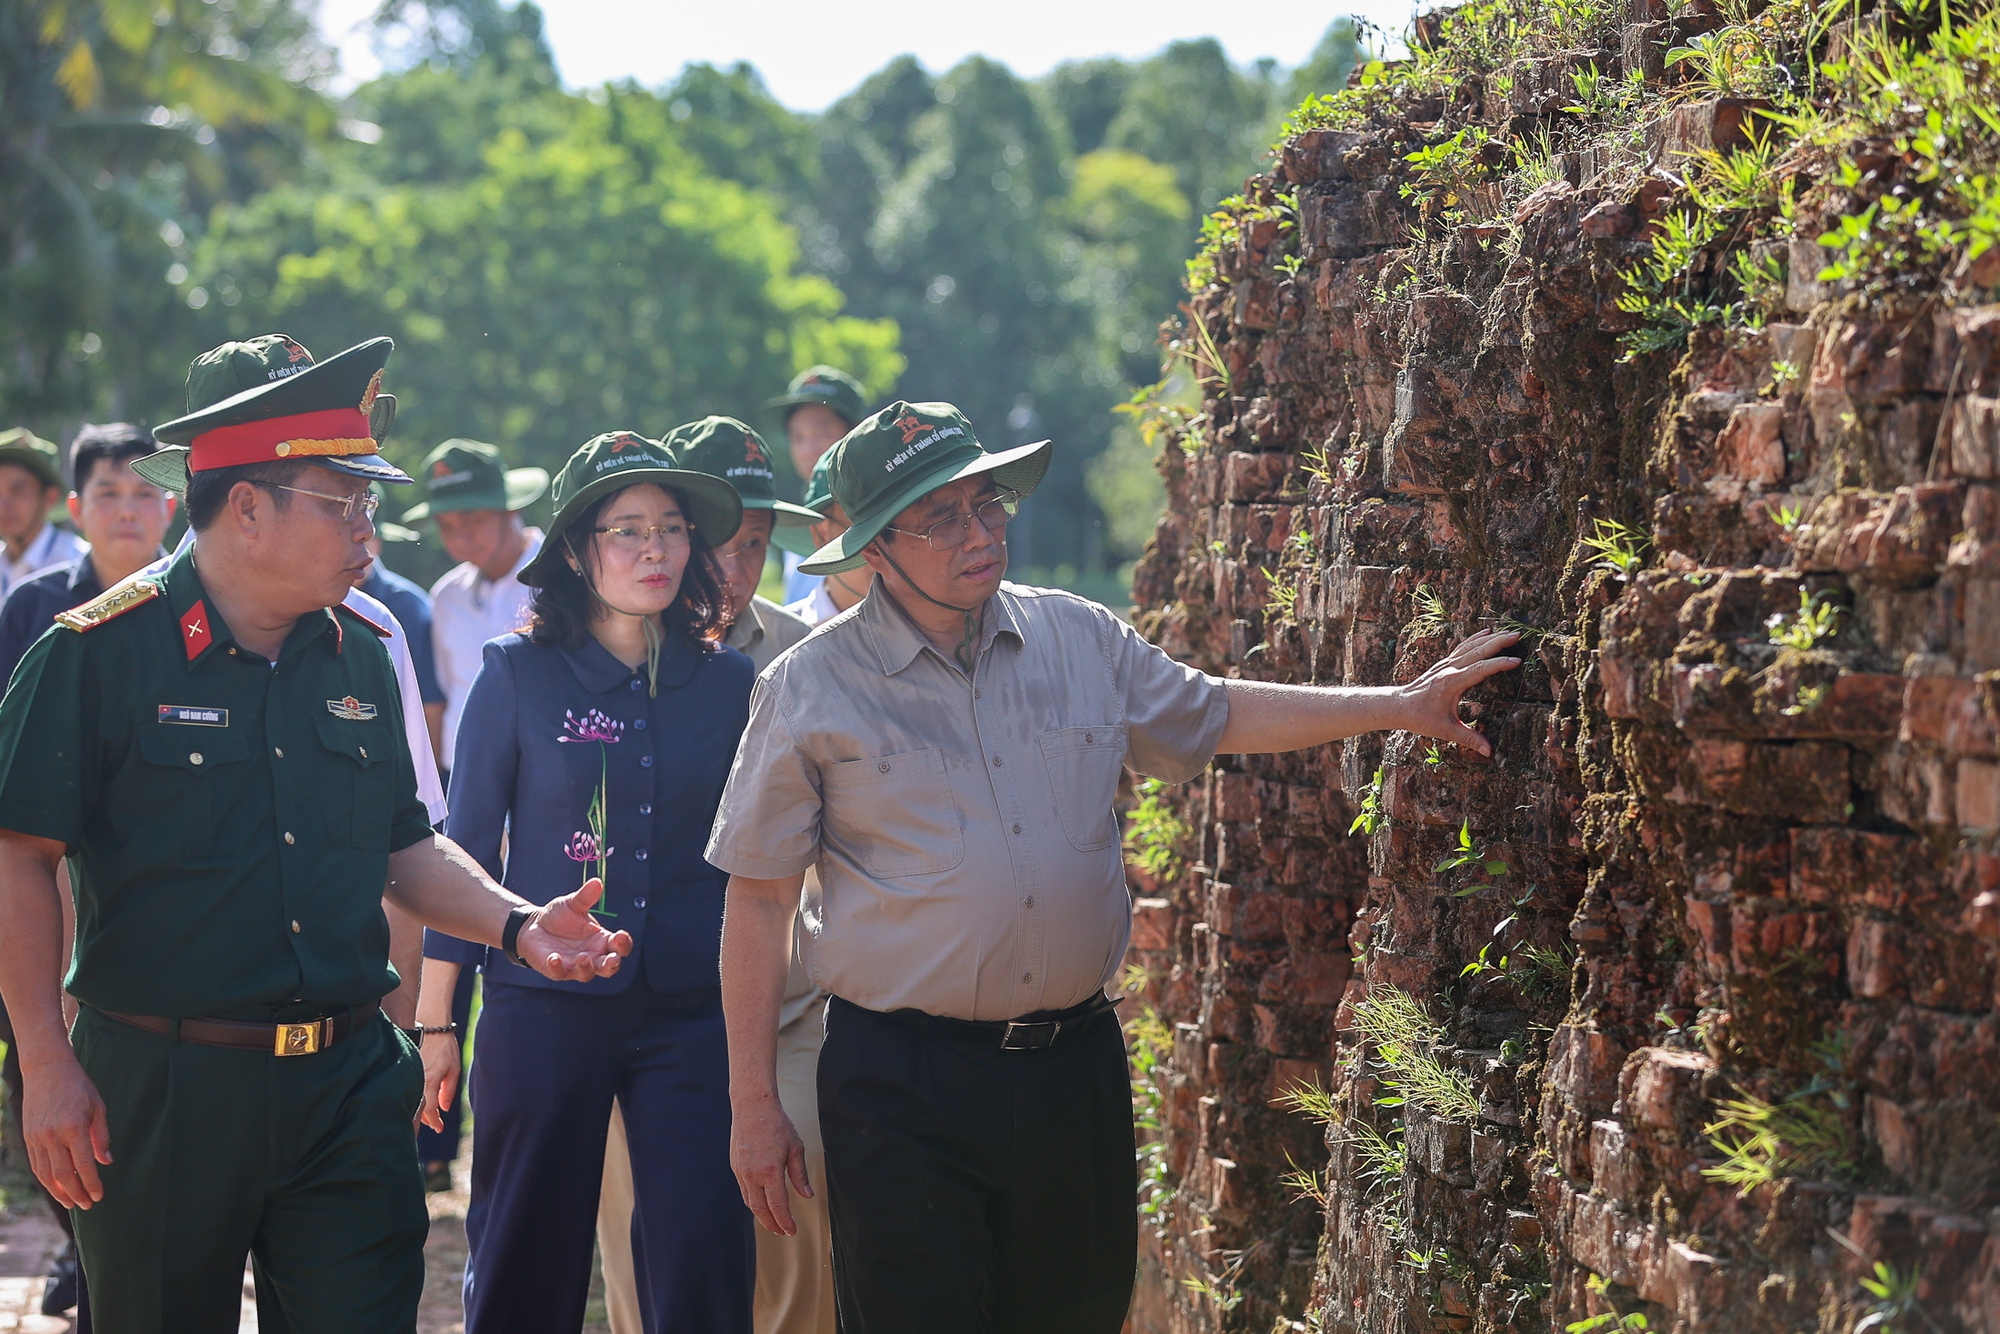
(115, 442)
(208, 491)
(564, 606)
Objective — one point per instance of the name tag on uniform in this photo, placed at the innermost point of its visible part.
(194, 715)
(350, 708)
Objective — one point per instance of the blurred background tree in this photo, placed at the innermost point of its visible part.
(553, 262)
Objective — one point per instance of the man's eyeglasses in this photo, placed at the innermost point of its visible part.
(951, 534)
(367, 500)
(675, 534)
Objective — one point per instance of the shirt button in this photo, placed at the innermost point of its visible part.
(639, 903)
(1089, 739)
(996, 761)
(1017, 829)
(1027, 977)
(638, 724)
(1031, 901)
(364, 750)
(289, 838)
(295, 926)
(639, 855)
(635, 683)
(645, 808)
(975, 694)
(645, 761)
(194, 757)
(279, 751)
(883, 767)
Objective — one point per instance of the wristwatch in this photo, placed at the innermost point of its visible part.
(510, 935)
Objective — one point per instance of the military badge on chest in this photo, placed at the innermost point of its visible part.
(350, 708)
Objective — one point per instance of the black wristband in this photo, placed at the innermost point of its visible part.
(510, 935)
(418, 1032)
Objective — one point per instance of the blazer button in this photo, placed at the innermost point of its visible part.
(639, 855)
(638, 724)
(1089, 739)
(645, 808)
(639, 903)
(645, 761)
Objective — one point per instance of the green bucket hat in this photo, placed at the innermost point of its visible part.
(469, 475)
(724, 447)
(831, 388)
(902, 454)
(819, 499)
(616, 460)
(388, 531)
(21, 445)
(266, 400)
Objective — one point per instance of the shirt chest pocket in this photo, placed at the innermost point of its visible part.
(895, 814)
(359, 794)
(204, 765)
(1083, 765)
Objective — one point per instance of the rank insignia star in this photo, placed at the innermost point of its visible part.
(350, 708)
(195, 630)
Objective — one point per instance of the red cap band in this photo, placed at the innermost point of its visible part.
(334, 431)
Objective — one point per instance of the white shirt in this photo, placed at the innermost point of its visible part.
(429, 790)
(815, 607)
(799, 586)
(52, 546)
(468, 609)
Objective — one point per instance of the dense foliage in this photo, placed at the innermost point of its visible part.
(553, 263)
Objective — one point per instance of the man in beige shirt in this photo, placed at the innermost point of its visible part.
(946, 757)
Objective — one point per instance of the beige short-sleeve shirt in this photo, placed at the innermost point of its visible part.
(968, 855)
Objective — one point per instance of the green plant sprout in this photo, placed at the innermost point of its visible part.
(1788, 518)
(1761, 1141)
(1481, 966)
(1406, 1042)
(1808, 699)
(1607, 1320)
(1152, 1042)
(1317, 463)
(1895, 1293)
(1784, 372)
(1381, 1156)
(1304, 1183)
(1154, 834)
(1433, 757)
(1466, 855)
(1618, 549)
(1431, 617)
(1284, 597)
(1817, 619)
(1289, 265)
(1370, 816)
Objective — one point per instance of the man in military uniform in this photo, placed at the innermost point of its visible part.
(219, 752)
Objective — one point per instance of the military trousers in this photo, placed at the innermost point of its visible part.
(307, 1164)
(976, 1190)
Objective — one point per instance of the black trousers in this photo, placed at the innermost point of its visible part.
(974, 1190)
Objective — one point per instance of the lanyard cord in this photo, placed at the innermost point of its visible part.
(969, 613)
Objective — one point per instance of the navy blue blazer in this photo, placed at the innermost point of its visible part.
(542, 726)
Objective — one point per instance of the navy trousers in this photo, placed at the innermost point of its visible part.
(546, 1065)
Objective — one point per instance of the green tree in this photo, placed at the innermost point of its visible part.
(1190, 107)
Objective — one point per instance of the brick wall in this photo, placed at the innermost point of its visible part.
(1733, 869)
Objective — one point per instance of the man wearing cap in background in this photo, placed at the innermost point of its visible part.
(947, 757)
(30, 486)
(794, 1274)
(834, 593)
(216, 750)
(123, 518)
(476, 501)
(819, 406)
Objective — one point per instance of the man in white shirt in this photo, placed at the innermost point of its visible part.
(476, 501)
(31, 486)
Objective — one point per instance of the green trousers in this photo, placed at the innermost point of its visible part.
(307, 1164)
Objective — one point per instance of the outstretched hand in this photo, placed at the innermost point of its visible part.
(563, 942)
(1431, 701)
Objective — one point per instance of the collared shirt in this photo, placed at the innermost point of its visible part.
(798, 584)
(52, 546)
(815, 608)
(229, 820)
(764, 631)
(416, 731)
(31, 608)
(968, 855)
(467, 609)
(412, 607)
(534, 764)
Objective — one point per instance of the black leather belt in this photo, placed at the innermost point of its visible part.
(301, 1038)
(1031, 1032)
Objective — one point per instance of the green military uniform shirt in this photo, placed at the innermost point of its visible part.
(229, 821)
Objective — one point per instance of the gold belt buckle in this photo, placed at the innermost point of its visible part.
(299, 1039)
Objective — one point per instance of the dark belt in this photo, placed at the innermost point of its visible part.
(302, 1038)
(1033, 1032)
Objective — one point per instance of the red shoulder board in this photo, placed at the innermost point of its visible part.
(382, 630)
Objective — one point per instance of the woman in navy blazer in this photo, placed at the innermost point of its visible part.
(595, 743)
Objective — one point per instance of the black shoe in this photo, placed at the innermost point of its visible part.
(59, 1294)
(437, 1177)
